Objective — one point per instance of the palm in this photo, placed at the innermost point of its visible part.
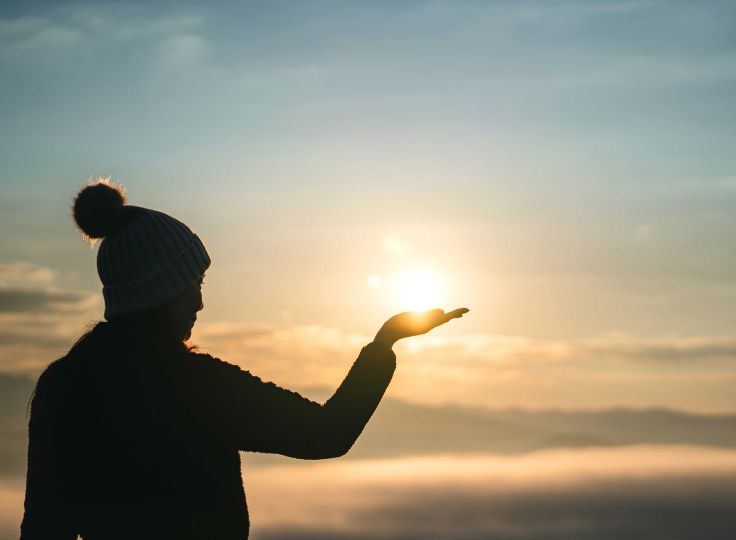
(414, 323)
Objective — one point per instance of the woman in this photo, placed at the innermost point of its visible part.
(135, 435)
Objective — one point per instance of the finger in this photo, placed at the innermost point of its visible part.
(455, 314)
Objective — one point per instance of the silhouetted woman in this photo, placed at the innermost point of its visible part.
(134, 435)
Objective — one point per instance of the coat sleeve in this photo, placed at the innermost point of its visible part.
(47, 514)
(259, 416)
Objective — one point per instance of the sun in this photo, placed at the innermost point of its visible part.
(417, 289)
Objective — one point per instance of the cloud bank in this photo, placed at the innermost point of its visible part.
(637, 492)
(39, 321)
(495, 370)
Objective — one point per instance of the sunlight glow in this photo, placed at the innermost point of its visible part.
(417, 289)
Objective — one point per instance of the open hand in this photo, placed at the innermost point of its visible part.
(414, 323)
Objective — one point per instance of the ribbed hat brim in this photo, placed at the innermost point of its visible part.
(158, 287)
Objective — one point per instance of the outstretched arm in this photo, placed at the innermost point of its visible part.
(260, 416)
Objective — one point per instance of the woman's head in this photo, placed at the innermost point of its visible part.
(147, 260)
(181, 311)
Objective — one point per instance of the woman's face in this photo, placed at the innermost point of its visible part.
(182, 309)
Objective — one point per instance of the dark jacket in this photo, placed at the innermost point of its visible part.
(124, 450)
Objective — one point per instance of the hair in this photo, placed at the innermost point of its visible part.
(130, 343)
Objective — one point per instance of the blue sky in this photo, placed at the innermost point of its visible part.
(567, 167)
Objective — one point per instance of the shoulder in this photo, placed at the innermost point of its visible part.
(218, 375)
(207, 366)
(207, 362)
(57, 374)
(54, 388)
(74, 363)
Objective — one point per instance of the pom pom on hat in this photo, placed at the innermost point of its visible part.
(99, 208)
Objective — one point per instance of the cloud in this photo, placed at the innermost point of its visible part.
(17, 300)
(94, 26)
(34, 34)
(480, 369)
(21, 273)
(29, 341)
(495, 370)
(28, 289)
(605, 510)
(667, 350)
(39, 320)
(292, 354)
(475, 349)
(514, 350)
(637, 492)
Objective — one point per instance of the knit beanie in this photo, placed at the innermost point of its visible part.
(145, 258)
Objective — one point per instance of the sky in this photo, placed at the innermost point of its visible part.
(563, 169)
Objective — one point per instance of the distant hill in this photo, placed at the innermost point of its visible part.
(400, 428)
